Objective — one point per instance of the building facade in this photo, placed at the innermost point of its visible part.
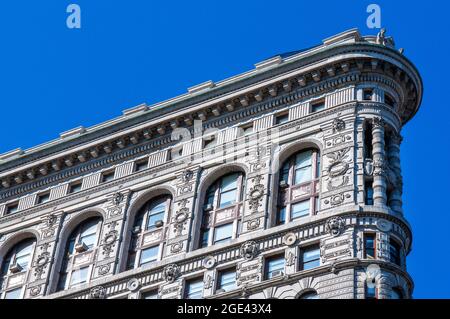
(281, 182)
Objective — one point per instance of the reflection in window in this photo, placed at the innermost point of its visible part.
(369, 246)
(194, 289)
(149, 255)
(310, 257)
(226, 280)
(223, 234)
(309, 295)
(274, 267)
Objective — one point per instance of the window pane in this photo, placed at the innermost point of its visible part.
(152, 219)
(281, 217)
(79, 276)
(23, 254)
(273, 266)
(229, 182)
(13, 294)
(227, 280)
(149, 255)
(303, 159)
(227, 198)
(89, 240)
(302, 175)
(204, 238)
(223, 233)
(194, 289)
(369, 246)
(150, 295)
(300, 209)
(158, 208)
(309, 295)
(311, 258)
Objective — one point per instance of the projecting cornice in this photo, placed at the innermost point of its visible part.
(342, 58)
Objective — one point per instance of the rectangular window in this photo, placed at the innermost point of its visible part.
(318, 106)
(303, 167)
(371, 291)
(228, 190)
(369, 193)
(23, 257)
(300, 210)
(75, 187)
(12, 208)
(107, 176)
(274, 267)
(389, 100)
(310, 257)
(79, 276)
(281, 216)
(227, 280)
(153, 294)
(156, 214)
(247, 129)
(13, 294)
(204, 238)
(194, 289)
(369, 246)
(141, 165)
(43, 198)
(149, 255)
(89, 236)
(394, 252)
(209, 141)
(223, 233)
(282, 118)
(367, 94)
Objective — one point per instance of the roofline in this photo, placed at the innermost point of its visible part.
(204, 89)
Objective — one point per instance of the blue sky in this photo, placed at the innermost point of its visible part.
(128, 52)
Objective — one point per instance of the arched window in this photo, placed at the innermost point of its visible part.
(79, 254)
(145, 247)
(396, 293)
(222, 210)
(14, 271)
(299, 187)
(309, 295)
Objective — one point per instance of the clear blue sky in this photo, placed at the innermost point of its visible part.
(128, 52)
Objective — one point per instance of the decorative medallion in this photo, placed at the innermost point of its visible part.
(104, 269)
(249, 250)
(209, 262)
(133, 285)
(335, 226)
(253, 224)
(289, 239)
(384, 225)
(176, 247)
(36, 290)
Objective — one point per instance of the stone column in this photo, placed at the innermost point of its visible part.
(395, 202)
(379, 174)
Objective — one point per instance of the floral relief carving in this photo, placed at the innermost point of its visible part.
(338, 167)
